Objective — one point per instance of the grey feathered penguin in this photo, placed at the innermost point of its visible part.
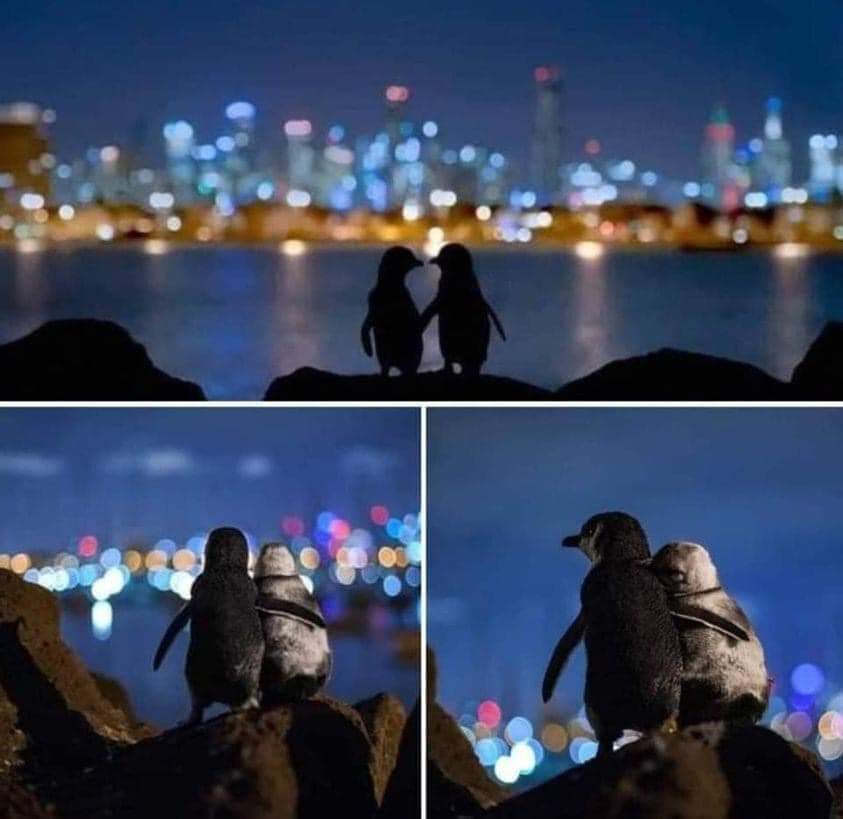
(723, 678)
(297, 658)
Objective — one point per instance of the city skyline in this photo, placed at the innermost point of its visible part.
(670, 92)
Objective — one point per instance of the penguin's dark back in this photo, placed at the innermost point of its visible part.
(224, 620)
(632, 645)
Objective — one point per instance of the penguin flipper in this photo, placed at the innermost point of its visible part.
(709, 619)
(365, 336)
(179, 622)
(497, 322)
(564, 648)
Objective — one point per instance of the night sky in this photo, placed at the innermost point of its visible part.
(644, 83)
(170, 473)
(760, 487)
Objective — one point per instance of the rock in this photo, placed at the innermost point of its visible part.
(85, 360)
(457, 784)
(402, 797)
(307, 760)
(819, 376)
(706, 772)
(117, 695)
(309, 384)
(676, 375)
(51, 709)
(384, 718)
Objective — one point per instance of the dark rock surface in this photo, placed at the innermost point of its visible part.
(309, 384)
(819, 376)
(85, 360)
(706, 772)
(676, 375)
(70, 747)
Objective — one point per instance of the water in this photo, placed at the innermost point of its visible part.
(364, 665)
(233, 318)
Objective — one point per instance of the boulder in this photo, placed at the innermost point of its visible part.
(675, 375)
(707, 772)
(819, 376)
(402, 797)
(309, 384)
(85, 360)
(457, 784)
(384, 718)
(51, 708)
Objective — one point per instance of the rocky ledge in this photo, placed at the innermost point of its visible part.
(309, 384)
(85, 360)
(707, 772)
(91, 360)
(664, 375)
(70, 747)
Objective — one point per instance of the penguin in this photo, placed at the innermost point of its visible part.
(633, 655)
(724, 679)
(297, 658)
(463, 312)
(393, 315)
(226, 642)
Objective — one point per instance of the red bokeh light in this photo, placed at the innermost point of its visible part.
(292, 526)
(88, 546)
(379, 515)
(489, 713)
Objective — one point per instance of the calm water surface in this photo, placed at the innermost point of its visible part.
(233, 318)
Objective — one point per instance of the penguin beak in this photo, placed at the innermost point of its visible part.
(434, 260)
(418, 263)
(572, 541)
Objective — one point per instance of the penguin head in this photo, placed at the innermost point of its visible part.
(226, 549)
(684, 567)
(457, 266)
(275, 559)
(611, 536)
(395, 264)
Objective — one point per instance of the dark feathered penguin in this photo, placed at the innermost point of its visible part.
(463, 312)
(393, 315)
(634, 661)
(226, 643)
(724, 679)
(297, 659)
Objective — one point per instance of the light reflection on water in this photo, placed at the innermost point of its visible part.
(233, 318)
(363, 665)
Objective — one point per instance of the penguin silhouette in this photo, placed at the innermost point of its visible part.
(463, 312)
(724, 679)
(297, 659)
(633, 656)
(226, 643)
(393, 315)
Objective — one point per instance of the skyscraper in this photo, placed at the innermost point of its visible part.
(301, 156)
(717, 160)
(774, 167)
(546, 155)
(178, 146)
(24, 154)
(823, 150)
